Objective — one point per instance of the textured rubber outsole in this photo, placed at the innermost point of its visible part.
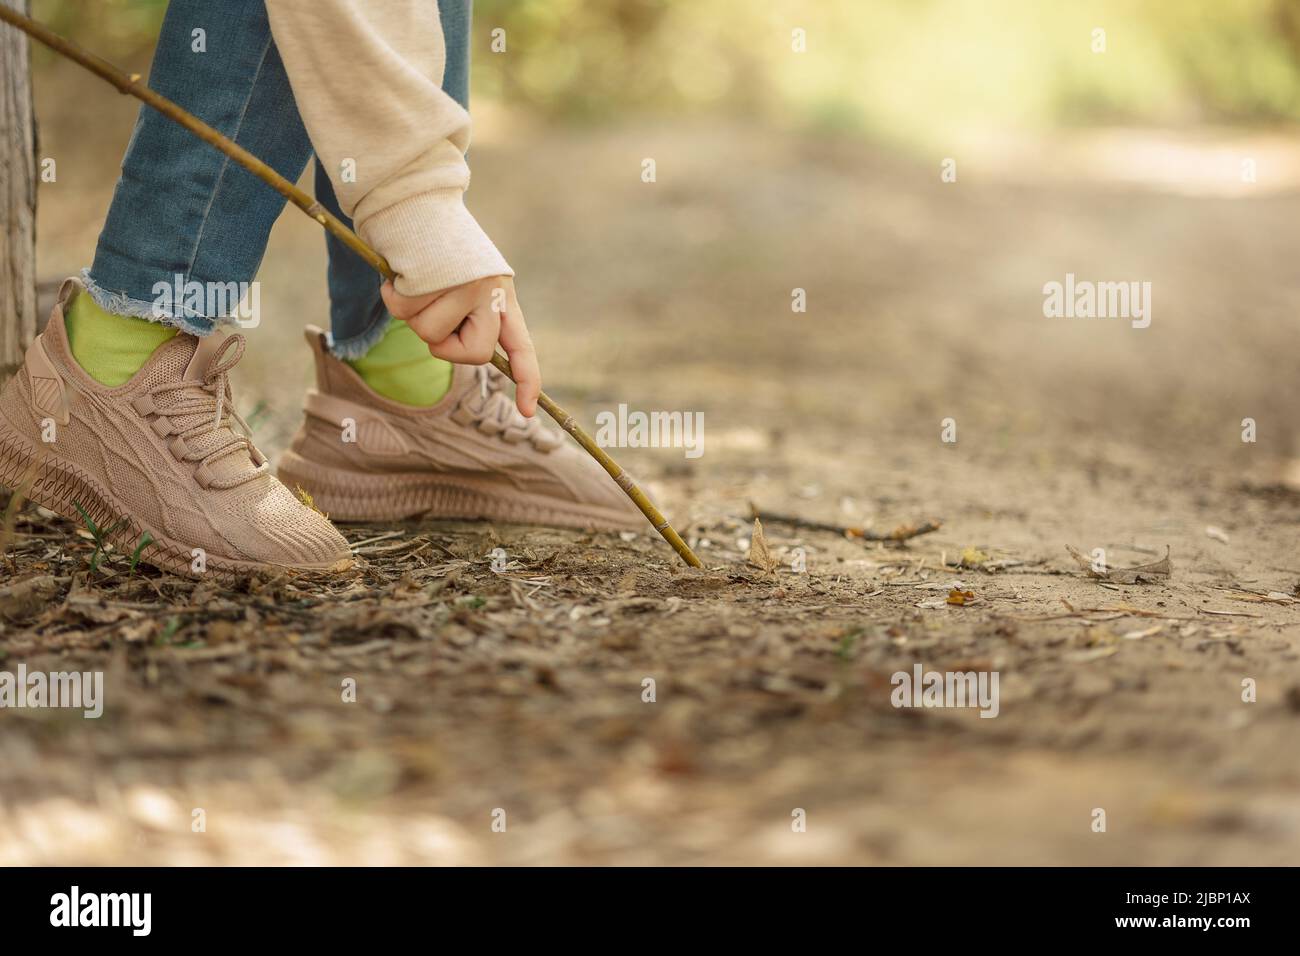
(360, 496)
(39, 476)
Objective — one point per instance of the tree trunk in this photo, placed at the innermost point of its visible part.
(17, 198)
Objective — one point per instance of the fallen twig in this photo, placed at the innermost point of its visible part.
(1124, 610)
(902, 533)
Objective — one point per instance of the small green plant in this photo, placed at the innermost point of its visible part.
(169, 630)
(848, 644)
(254, 418)
(100, 535)
(146, 539)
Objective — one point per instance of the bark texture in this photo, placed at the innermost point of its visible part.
(17, 197)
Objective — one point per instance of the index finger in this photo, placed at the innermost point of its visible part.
(523, 359)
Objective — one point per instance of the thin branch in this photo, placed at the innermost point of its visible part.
(902, 533)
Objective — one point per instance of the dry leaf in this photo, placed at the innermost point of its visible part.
(24, 598)
(960, 598)
(759, 555)
(1140, 574)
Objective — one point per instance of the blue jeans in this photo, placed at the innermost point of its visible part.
(182, 208)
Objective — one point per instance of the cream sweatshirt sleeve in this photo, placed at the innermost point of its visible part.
(368, 81)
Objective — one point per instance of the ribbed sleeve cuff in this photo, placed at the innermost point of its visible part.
(433, 243)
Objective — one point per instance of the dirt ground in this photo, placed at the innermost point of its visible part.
(521, 691)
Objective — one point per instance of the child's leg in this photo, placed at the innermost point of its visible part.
(391, 358)
(181, 208)
(464, 451)
(118, 413)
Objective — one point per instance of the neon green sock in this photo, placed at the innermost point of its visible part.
(111, 348)
(399, 367)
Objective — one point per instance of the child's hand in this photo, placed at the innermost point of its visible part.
(463, 324)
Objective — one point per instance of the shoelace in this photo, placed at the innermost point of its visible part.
(212, 396)
(494, 412)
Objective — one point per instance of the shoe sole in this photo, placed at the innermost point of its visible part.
(358, 496)
(42, 478)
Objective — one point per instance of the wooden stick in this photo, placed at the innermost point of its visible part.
(898, 535)
(132, 85)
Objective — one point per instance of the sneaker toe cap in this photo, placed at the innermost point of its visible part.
(286, 533)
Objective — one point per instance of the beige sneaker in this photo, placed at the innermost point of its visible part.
(157, 456)
(471, 455)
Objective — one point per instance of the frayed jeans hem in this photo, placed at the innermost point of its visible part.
(120, 303)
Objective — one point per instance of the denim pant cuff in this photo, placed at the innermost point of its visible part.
(120, 303)
(355, 346)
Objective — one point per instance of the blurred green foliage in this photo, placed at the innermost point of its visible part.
(908, 70)
(115, 29)
(901, 69)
